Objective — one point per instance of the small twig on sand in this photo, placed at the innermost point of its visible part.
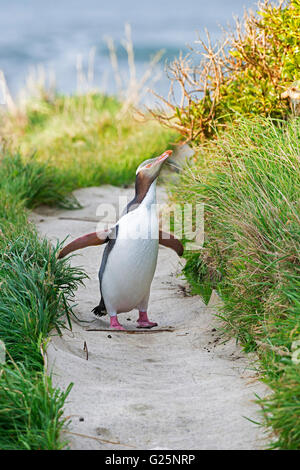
(133, 332)
(104, 441)
(84, 219)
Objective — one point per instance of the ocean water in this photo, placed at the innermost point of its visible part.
(52, 35)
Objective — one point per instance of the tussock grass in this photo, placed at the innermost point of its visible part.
(86, 139)
(34, 182)
(249, 180)
(31, 410)
(34, 296)
(34, 291)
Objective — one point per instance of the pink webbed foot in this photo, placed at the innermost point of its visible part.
(115, 325)
(144, 322)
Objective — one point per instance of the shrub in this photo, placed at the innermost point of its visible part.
(243, 76)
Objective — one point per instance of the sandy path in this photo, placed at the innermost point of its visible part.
(180, 389)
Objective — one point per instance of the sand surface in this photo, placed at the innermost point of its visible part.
(180, 388)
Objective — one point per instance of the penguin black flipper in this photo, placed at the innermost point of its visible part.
(100, 310)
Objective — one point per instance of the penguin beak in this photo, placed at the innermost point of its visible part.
(159, 160)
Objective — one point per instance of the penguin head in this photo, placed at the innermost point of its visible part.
(148, 171)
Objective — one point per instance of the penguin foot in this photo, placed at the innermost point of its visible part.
(144, 322)
(115, 325)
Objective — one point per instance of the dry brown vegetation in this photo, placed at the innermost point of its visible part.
(244, 75)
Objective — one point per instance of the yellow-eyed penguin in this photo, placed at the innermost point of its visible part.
(130, 257)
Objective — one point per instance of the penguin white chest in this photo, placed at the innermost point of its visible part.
(131, 264)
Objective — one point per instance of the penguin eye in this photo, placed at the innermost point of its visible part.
(145, 165)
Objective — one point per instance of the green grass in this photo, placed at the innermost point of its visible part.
(34, 182)
(34, 296)
(249, 180)
(86, 139)
(35, 289)
(31, 410)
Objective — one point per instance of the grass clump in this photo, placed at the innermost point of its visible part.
(249, 181)
(34, 291)
(34, 183)
(86, 138)
(31, 410)
(34, 296)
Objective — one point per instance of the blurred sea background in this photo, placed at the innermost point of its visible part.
(57, 36)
